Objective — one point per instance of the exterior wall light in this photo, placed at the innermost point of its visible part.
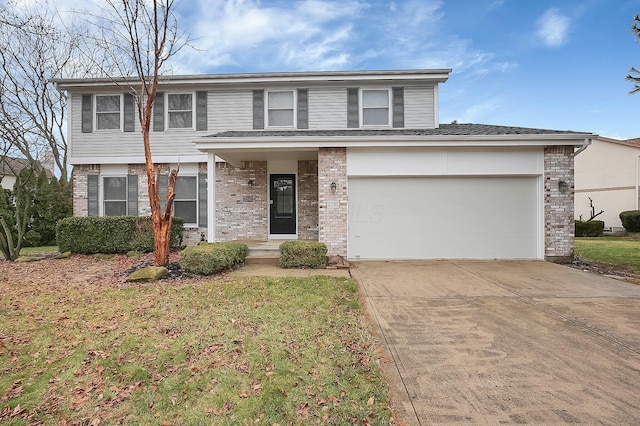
(333, 187)
(250, 183)
(563, 186)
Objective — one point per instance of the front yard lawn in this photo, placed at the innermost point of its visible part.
(78, 348)
(614, 250)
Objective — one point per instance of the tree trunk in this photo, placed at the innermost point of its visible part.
(162, 237)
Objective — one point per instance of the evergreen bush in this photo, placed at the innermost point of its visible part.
(303, 254)
(630, 220)
(591, 228)
(211, 258)
(115, 234)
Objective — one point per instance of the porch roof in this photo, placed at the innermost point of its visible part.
(302, 144)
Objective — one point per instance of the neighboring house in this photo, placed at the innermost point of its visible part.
(354, 159)
(607, 173)
(10, 167)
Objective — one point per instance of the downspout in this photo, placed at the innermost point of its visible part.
(584, 146)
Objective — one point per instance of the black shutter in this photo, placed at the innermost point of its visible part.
(201, 110)
(158, 113)
(129, 113)
(202, 200)
(92, 195)
(132, 195)
(303, 109)
(353, 113)
(162, 190)
(258, 109)
(398, 107)
(87, 113)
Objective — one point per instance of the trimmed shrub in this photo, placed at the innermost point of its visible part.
(114, 234)
(631, 220)
(211, 258)
(303, 254)
(591, 228)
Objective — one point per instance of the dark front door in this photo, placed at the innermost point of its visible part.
(282, 196)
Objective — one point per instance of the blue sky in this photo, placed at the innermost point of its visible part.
(544, 64)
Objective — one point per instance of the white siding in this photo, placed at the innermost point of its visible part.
(328, 108)
(230, 110)
(226, 110)
(419, 112)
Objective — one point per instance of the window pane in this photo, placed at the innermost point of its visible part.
(108, 103)
(375, 99)
(108, 121)
(115, 188)
(115, 208)
(180, 120)
(185, 210)
(186, 188)
(281, 117)
(180, 102)
(281, 100)
(375, 116)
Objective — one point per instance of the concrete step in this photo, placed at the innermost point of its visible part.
(263, 259)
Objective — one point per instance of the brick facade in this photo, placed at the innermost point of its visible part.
(308, 200)
(558, 203)
(332, 207)
(241, 209)
(79, 181)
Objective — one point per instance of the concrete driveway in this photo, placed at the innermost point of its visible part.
(516, 342)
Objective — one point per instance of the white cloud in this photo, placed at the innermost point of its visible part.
(553, 28)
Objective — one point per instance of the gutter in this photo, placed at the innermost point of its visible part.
(584, 146)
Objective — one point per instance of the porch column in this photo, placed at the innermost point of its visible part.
(332, 200)
(211, 197)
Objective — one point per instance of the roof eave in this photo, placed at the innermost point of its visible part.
(574, 139)
(432, 75)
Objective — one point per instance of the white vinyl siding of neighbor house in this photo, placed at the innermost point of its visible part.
(327, 108)
(419, 108)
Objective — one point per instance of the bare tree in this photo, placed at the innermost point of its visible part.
(634, 73)
(33, 50)
(143, 35)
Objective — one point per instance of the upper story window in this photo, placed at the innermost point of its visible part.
(185, 204)
(108, 112)
(280, 108)
(115, 195)
(375, 107)
(180, 110)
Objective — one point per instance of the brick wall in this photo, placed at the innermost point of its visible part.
(558, 203)
(241, 210)
(332, 207)
(308, 200)
(79, 180)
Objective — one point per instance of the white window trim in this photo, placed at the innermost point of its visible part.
(361, 108)
(95, 112)
(101, 187)
(193, 112)
(295, 108)
(197, 200)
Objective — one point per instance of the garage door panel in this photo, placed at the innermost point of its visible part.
(443, 217)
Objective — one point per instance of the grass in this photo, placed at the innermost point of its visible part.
(620, 251)
(233, 351)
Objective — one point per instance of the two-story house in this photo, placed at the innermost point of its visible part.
(354, 159)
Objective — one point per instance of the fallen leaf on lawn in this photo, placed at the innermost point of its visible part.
(270, 373)
(95, 422)
(371, 401)
(303, 410)
(243, 394)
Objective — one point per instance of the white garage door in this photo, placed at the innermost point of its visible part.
(443, 217)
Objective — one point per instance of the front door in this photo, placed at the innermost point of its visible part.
(282, 200)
